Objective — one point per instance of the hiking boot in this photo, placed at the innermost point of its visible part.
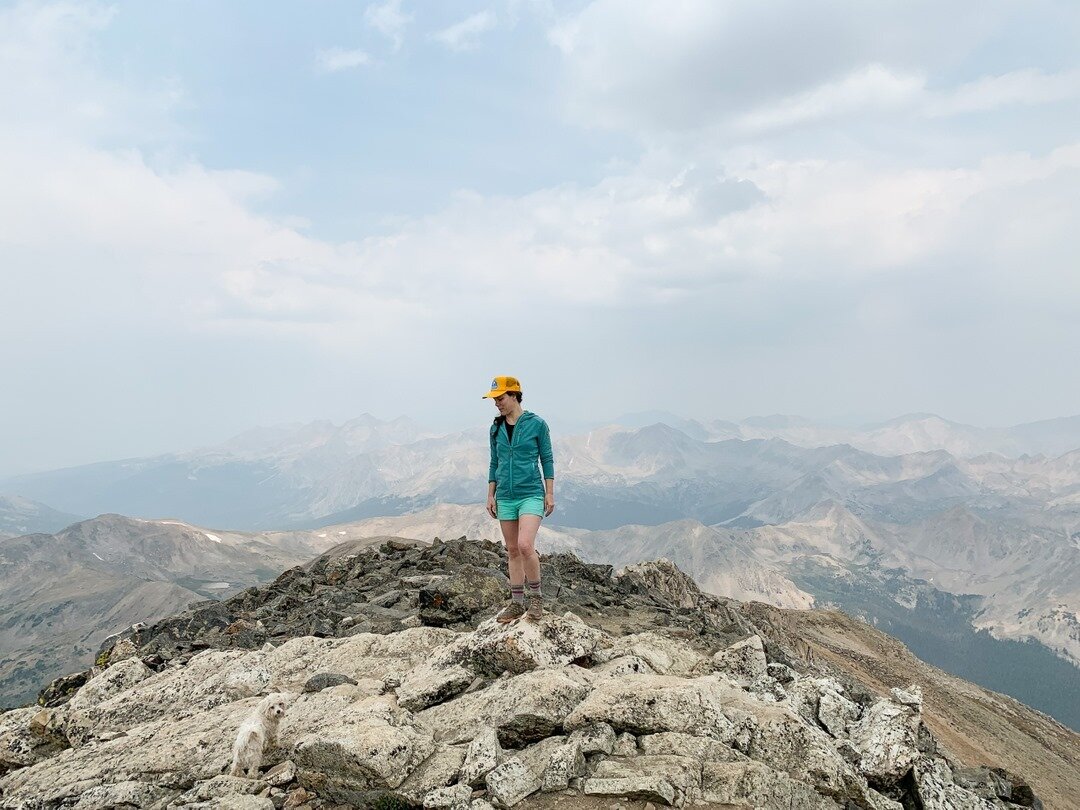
(536, 607)
(513, 610)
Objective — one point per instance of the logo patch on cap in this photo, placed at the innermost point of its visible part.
(494, 384)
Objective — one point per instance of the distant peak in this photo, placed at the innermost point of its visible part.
(913, 417)
(777, 420)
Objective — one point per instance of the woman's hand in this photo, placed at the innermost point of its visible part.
(491, 505)
(549, 504)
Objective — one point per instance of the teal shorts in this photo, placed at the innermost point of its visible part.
(513, 508)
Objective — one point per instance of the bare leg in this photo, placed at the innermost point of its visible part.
(510, 537)
(528, 526)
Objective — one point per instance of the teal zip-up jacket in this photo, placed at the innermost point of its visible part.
(513, 465)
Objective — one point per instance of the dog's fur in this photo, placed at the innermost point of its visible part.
(257, 733)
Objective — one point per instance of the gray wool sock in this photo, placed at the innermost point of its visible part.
(517, 593)
(534, 587)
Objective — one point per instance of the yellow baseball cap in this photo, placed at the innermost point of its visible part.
(500, 385)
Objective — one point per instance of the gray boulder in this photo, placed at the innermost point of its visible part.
(439, 770)
(567, 762)
(483, 754)
(682, 774)
(665, 579)
(647, 704)
(912, 696)
(463, 597)
(24, 738)
(521, 709)
(510, 782)
(937, 790)
(702, 749)
(123, 794)
(595, 738)
(457, 797)
(326, 680)
(662, 654)
(785, 743)
(519, 647)
(81, 714)
(744, 661)
(625, 745)
(429, 684)
(836, 712)
(886, 738)
(361, 745)
(754, 784)
(649, 788)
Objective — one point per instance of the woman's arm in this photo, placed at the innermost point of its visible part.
(492, 467)
(547, 459)
(547, 463)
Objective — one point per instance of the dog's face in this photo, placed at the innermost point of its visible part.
(274, 705)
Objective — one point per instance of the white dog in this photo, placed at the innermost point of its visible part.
(257, 733)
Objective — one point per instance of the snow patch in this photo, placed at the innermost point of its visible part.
(99, 556)
(213, 537)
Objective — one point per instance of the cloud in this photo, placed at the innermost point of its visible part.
(462, 35)
(50, 81)
(758, 255)
(875, 90)
(181, 244)
(133, 243)
(333, 60)
(752, 66)
(389, 20)
(178, 243)
(868, 89)
(1019, 87)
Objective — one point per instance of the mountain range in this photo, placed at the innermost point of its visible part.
(911, 433)
(20, 516)
(305, 476)
(62, 594)
(947, 549)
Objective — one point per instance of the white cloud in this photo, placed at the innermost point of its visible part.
(1019, 87)
(333, 60)
(49, 81)
(110, 240)
(758, 65)
(389, 20)
(867, 89)
(462, 35)
(183, 244)
(875, 90)
(97, 240)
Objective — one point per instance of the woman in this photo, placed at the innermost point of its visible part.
(517, 495)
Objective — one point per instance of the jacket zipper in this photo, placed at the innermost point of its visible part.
(511, 443)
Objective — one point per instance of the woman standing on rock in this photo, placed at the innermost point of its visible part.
(517, 495)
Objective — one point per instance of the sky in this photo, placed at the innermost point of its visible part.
(216, 215)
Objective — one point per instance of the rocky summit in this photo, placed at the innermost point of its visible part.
(404, 692)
